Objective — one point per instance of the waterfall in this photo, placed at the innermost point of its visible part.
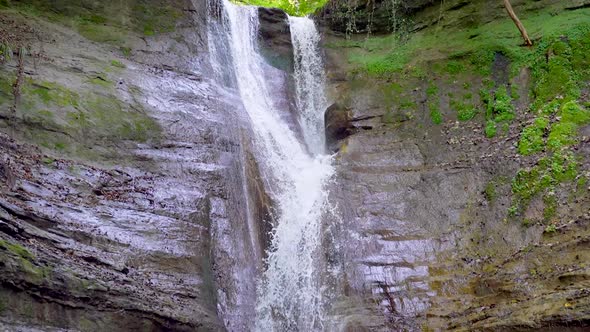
(309, 81)
(289, 295)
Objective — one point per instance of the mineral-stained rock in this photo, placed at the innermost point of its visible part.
(338, 126)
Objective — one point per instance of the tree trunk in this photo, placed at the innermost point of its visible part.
(527, 40)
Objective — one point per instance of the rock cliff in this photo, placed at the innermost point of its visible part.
(446, 224)
(126, 179)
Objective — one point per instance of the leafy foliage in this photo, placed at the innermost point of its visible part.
(291, 7)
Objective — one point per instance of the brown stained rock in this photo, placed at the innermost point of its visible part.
(338, 126)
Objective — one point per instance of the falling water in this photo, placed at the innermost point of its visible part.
(309, 81)
(289, 294)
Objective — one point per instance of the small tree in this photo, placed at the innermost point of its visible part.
(525, 36)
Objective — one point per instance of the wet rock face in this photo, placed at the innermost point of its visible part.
(381, 17)
(275, 38)
(117, 175)
(377, 16)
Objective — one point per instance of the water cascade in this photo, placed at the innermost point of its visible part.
(309, 81)
(289, 294)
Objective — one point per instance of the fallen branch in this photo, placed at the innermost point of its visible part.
(519, 25)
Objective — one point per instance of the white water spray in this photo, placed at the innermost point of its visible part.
(289, 294)
(310, 82)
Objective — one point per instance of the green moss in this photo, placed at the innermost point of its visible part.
(432, 90)
(156, 19)
(118, 64)
(433, 104)
(562, 134)
(572, 112)
(102, 80)
(465, 111)
(498, 109)
(388, 118)
(51, 94)
(473, 49)
(94, 18)
(100, 33)
(490, 191)
(48, 161)
(126, 51)
(293, 8)
(491, 129)
(106, 21)
(503, 103)
(550, 229)
(60, 146)
(435, 114)
(68, 122)
(454, 67)
(408, 104)
(543, 177)
(17, 249)
(532, 138)
(107, 116)
(565, 132)
(6, 82)
(555, 79)
(550, 209)
(551, 108)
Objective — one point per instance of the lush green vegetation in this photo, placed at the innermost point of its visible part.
(498, 108)
(543, 178)
(467, 49)
(292, 7)
(559, 64)
(532, 138)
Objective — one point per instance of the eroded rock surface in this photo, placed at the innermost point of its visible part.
(118, 170)
(427, 241)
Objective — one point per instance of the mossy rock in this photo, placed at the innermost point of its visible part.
(107, 21)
